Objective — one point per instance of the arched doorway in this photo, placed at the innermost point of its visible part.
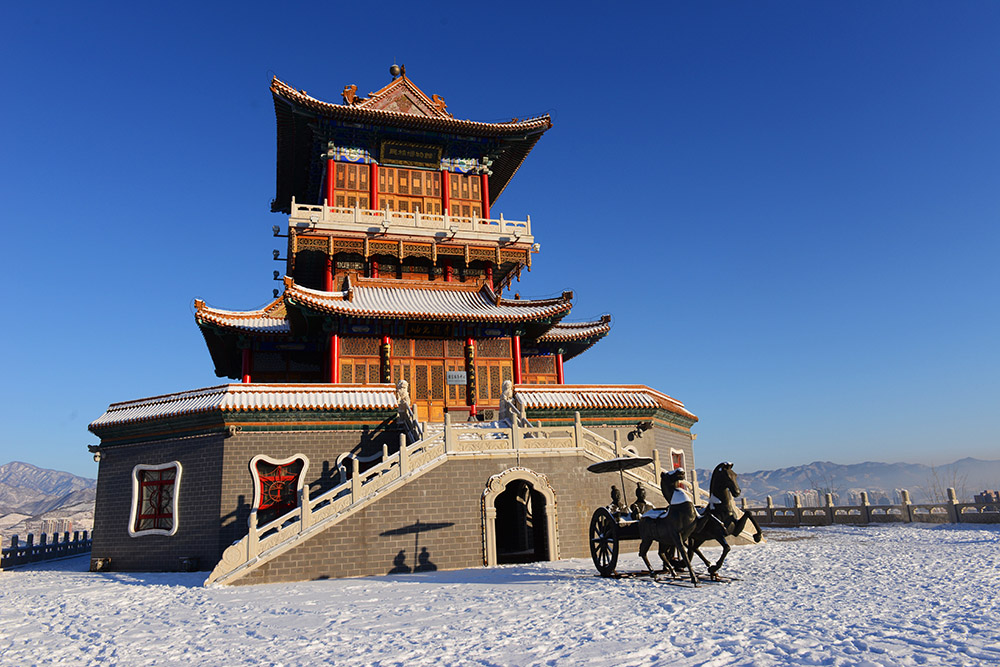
(520, 524)
(519, 518)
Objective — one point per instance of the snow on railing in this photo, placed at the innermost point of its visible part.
(949, 511)
(320, 216)
(29, 552)
(359, 488)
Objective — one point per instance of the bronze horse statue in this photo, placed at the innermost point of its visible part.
(723, 516)
(670, 529)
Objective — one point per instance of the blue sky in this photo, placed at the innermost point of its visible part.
(789, 208)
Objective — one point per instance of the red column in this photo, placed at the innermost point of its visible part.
(517, 358)
(374, 269)
(489, 276)
(485, 189)
(328, 278)
(470, 394)
(334, 359)
(560, 379)
(331, 175)
(445, 190)
(448, 273)
(373, 186)
(247, 364)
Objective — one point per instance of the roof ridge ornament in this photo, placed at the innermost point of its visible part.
(350, 94)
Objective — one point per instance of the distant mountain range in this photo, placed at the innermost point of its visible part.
(881, 480)
(30, 495)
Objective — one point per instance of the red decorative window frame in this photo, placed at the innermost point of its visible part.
(277, 486)
(676, 458)
(154, 499)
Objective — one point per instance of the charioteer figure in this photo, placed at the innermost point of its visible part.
(640, 506)
(617, 505)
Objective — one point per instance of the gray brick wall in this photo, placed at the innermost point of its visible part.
(198, 497)
(215, 490)
(370, 541)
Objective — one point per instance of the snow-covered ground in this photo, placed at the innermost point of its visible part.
(893, 595)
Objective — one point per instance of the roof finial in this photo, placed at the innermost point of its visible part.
(397, 70)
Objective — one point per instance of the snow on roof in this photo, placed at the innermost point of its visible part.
(271, 319)
(250, 398)
(440, 303)
(577, 397)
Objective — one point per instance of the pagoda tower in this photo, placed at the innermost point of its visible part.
(394, 407)
(395, 268)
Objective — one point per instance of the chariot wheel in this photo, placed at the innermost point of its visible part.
(604, 541)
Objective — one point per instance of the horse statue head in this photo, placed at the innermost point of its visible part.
(670, 486)
(724, 481)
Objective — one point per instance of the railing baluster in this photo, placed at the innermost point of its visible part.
(252, 536)
(404, 459)
(305, 511)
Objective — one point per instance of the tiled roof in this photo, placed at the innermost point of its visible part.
(444, 304)
(576, 331)
(250, 398)
(581, 397)
(367, 113)
(271, 319)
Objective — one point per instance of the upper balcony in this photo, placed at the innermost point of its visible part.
(317, 217)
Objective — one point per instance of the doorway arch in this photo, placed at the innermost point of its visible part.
(525, 504)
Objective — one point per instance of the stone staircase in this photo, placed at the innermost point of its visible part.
(440, 442)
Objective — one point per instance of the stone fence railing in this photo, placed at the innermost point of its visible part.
(949, 511)
(29, 552)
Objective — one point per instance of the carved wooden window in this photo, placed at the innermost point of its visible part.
(420, 382)
(466, 199)
(401, 371)
(426, 347)
(351, 185)
(456, 350)
(490, 375)
(407, 190)
(493, 348)
(401, 347)
(360, 371)
(154, 499)
(482, 373)
(539, 369)
(495, 386)
(544, 364)
(437, 382)
(355, 346)
(277, 483)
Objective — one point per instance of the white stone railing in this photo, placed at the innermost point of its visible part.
(360, 488)
(322, 217)
(946, 511)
